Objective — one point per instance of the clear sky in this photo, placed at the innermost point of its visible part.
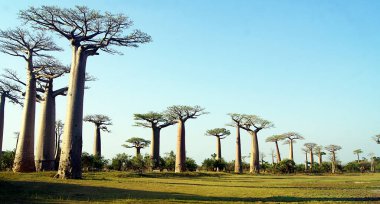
(307, 66)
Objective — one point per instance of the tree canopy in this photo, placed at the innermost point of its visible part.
(218, 132)
(137, 142)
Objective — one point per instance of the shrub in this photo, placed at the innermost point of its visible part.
(213, 164)
(6, 160)
(190, 164)
(121, 162)
(91, 162)
(285, 166)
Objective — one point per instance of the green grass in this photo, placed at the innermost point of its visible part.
(121, 187)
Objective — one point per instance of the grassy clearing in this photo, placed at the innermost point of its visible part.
(120, 187)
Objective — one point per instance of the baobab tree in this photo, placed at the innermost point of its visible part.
(291, 136)
(219, 133)
(358, 152)
(310, 146)
(320, 153)
(11, 92)
(24, 44)
(101, 122)
(50, 70)
(237, 123)
(306, 151)
(137, 143)
(332, 149)
(276, 139)
(253, 124)
(155, 121)
(88, 32)
(372, 157)
(58, 133)
(272, 155)
(181, 114)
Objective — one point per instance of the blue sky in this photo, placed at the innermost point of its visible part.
(307, 66)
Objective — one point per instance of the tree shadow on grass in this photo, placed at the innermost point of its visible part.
(42, 192)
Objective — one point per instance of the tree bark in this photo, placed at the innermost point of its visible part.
(291, 149)
(306, 166)
(24, 158)
(155, 148)
(278, 153)
(181, 148)
(255, 160)
(333, 166)
(311, 160)
(238, 166)
(45, 160)
(358, 158)
(138, 151)
(97, 142)
(2, 109)
(70, 161)
(319, 158)
(218, 149)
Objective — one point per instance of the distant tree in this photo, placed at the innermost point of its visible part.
(11, 92)
(137, 143)
(155, 121)
(237, 120)
(26, 45)
(306, 151)
(377, 138)
(333, 149)
(372, 160)
(57, 133)
(291, 136)
(181, 114)
(253, 124)
(318, 151)
(88, 32)
(219, 133)
(275, 139)
(169, 160)
(101, 122)
(262, 156)
(310, 146)
(358, 152)
(272, 155)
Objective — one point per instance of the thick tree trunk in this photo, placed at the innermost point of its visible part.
(2, 109)
(138, 151)
(71, 152)
(155, 148)
(278, 153)
(333, 165)
(306, 166)
(181, 148)
(255, 160)
(24, 158)
(358, 158)
(319, 158)
(57, 150)
(218, 149)
(238, 166)
(311, 160)
(291, 149)
(45, 160)
(97, 142)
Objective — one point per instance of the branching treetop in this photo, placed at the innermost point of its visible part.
(333, 148)
(310, 145)
(47, 69)
(184, 113)
(293, 136)
(218, 132)
(255, 123)
(305, 150)
(377, 139)
(153, 120)
(101, 121)
(137, 142)
(358, 151)
(275, 138)
(11, 91)
(59, 128)
(21, 43)
(236, 120)
(318, 150)
(90, 29)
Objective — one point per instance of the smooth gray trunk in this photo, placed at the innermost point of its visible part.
(278, 153)
(45, 157)
(311, 160)
(2, 109)
(138, 151)
(155, 148)
(24, 158)
(306, 166)
(333, 165)
(97, 142)
(291, 149)
(70, 161)
(218, 149)
(238, 166)
(181, 148)
(319, 158)
(254, 166)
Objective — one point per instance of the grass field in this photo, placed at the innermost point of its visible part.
(121, 187)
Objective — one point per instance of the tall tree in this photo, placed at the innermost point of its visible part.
(11, 92)
(372, 157)
(276, 139)
(358, 152)
(333, 149)
(101, 122)
(155, 121)
(181, 114)
(306, 151)
(237, 120)
(318, 151)
(253, 124)
(88, 32)
(219, 133)
(310, 146)
(137, 143)
(272, 155)
(45, 151)
(21, 43)
(58, 133)
(291, 136)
